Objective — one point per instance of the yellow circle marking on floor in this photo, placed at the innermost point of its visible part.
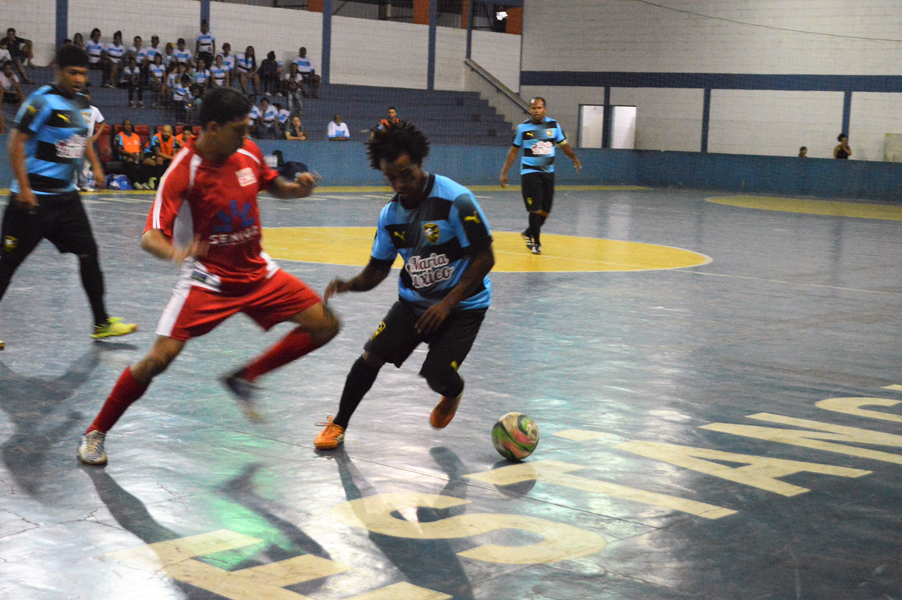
(562, 253)
(814, 207)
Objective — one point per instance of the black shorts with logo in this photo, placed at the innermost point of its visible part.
(61, 219)
(538, 191)
(396, 337)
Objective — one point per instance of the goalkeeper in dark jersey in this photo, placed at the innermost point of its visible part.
(440, 231)
(538, 136)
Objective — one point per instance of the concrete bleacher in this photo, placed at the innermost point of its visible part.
(451, 118)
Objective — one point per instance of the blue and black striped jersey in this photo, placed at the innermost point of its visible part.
(57, 136)
(538, 141)
(436, 241)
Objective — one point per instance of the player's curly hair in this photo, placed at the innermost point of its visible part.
(223, 105)
(392, 142)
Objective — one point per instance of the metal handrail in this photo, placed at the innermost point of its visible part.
(499, 87)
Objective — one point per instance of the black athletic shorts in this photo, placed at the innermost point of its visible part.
(396, 336)
(538, 191)
(60, 219)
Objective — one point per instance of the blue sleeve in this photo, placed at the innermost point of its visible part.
(32, 115)
(383, 249)
(469, 222)
(559, 137)
(518, 138)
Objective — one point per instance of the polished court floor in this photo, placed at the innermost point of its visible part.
(716, 379)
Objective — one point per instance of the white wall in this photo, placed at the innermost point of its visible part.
(497, 53)
(33, 20)
(665, 119)
(733, 36)
(382, 53)
(774, 123)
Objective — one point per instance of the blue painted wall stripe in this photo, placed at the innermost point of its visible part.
(706, 119)
(62, 21)
(724, 81)
(205, 12)
(846, 111)
(433, 25)
(327, 40)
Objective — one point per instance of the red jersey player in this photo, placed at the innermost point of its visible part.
(205, 218)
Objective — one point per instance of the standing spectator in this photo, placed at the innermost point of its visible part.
(338, 131)
(202, 75)
(292, 86)
(205, 43)
(95, 120)
(246, 65)
(44, 202)
(538, 136)
(156, 79)
(182, 54)
(114, 54)
(219, 73)
(308, 73)
(20, 51)
(284, 115)
(228, 60)
(131, 80)
(267, 128)
(842, 150)
(270, 71)
(803, 152)
(95, 49)
(9, 83)
(296, 130)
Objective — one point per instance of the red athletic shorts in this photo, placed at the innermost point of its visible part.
(194, 311)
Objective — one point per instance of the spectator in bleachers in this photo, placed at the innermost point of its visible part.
(156, 79)
(95, 122)
(78, 40)
(219, 73)
(169, 58)
(5, 56)
(20, 51)
(308, 73)
(128, 145)
(266, 129)
(338, 131)
(113, 55)
(246, 65)
(842, 150)
(803, 152)
(202, 75)
(9, 83)
(181, 95)
(256, 115)
(94, 47)
(292, 86)
(270, 72)
(296, 130)
(182, 54)
(205, 44)
(138, 52)
(228, 60)
(196, 98)
(154, 49)
(284, 115)
(131, 80)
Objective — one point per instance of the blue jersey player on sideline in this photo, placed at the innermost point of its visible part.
(538, 136)
(440, 231)
(45, 153)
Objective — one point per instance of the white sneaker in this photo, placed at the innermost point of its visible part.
(90, 450)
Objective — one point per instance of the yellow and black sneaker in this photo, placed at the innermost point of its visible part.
(113, 326)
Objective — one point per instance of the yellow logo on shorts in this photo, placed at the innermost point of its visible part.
(379, 330)
(529, 200)
(10, 243)
(431, 231)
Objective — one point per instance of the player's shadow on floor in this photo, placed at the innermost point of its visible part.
(33, 404)
(431, 564)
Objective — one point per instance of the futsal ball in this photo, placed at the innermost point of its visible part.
(515, 436)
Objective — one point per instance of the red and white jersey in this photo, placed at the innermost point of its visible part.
(216, 202)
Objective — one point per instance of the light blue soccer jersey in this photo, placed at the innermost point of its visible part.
(436, 241)
(538, 141)
(57, 136)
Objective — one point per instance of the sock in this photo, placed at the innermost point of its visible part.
(92, 281)
(293, 346)
(358, 383)
(125, 392)
(535, 226)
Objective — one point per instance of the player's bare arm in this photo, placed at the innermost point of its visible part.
(96, 166)
(508, 163)
(25, 196)
(157, 243)
(302, 187)
(568, 150)
(372, 275)
(435, 315)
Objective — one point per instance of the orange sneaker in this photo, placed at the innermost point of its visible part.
(330, 437)
(444, 411)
